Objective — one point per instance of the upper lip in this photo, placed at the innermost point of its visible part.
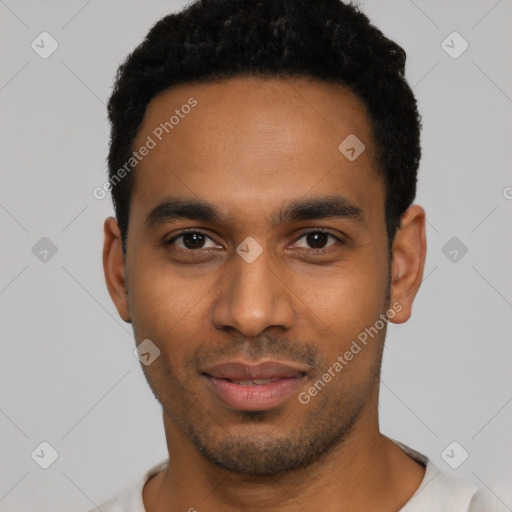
(235, 370)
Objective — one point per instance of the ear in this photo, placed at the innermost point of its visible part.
(114, 268)
(408, 261)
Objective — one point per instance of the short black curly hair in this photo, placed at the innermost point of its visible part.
(324, 39)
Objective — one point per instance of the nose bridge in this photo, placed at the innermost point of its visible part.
(252, 296)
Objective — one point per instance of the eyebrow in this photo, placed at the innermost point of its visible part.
(299, 210)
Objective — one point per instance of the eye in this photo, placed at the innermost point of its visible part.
(191, 240)
(317, 239)
(194, 240)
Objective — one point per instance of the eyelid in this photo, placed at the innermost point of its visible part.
(186, 231)
(340, 239)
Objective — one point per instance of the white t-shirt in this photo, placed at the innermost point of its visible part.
(438, 492)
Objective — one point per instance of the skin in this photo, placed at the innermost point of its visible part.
(250, 146)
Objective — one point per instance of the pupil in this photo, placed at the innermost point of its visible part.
(198, 240)
(313, 239)
(195, 240)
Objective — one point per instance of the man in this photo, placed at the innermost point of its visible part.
(263, 166)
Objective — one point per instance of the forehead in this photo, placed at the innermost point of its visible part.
(252, 110)
(251, 143)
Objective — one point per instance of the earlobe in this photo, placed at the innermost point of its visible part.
(114, 268)
(409, 253)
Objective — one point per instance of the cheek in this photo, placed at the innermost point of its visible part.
(340, 311)
(166, 306)
(347, 299)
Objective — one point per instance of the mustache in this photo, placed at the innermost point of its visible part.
(267, 346)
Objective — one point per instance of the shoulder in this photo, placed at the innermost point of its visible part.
(484, 501)
(439, 491)
(130, 499)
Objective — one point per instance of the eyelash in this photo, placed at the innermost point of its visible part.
(315, 251)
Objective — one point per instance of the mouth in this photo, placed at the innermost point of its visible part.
(254, 382)
(257, 387)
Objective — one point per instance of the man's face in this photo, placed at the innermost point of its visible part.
(251, 147)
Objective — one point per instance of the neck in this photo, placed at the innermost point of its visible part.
(365, 471)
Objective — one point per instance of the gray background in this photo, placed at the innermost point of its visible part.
(68, 374)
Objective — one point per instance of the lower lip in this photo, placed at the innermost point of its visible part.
(260, 397)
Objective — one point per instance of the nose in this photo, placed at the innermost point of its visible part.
(252, 297)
